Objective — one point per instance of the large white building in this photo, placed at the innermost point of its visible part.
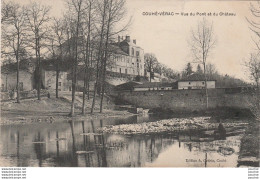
(127, 57)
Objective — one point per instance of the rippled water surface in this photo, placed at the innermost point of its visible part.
(78, 144)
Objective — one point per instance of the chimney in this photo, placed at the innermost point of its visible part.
(134, 41)
(119, 38)
(127, 38)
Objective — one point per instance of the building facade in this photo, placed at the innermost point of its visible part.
(127, 57)
(196, 81)
(49, 80)
(26, 76)
(9, 81)
(195, 84)
(154, 86)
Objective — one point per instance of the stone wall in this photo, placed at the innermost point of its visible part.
(194, 99)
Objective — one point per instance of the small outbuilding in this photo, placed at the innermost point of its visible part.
(196, 81)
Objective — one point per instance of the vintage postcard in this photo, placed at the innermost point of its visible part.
(130, 83)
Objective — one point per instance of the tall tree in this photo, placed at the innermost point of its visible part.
(90, 15)
(253, 67)
(211, 69)
(57, 39)
(115, 13)
(76, 9)
(202, 43)
(14, 35)
(102, 7)
(254, 22)
(199, 70)
(188, 69)
(37, 17)
(150, 61)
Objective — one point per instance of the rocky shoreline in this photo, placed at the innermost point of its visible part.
(171, 125)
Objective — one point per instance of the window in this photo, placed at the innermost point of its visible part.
(59, 83)
(133, 52)
(203, 82)
(137, 53)
(125, 71)
(120, 70)
(189, 83)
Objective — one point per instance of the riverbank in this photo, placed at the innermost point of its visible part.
(53, 110)
(249, 154)
(177, 125)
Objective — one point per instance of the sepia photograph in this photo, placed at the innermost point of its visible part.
(130, 83)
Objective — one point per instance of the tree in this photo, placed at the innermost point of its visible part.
(188, 70)
(202, 42)
(115, 13)
(57, 39)
(109, 14)
(6, 11)
(211, 69)
(199, 70)
(253, 65)
(254, 24)
(87, 48)
(14, 35)
(150, 61)
(76, 9)
(102, 8)
(37, 17)
(253, 68)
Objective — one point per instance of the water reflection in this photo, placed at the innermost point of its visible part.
(77, 144)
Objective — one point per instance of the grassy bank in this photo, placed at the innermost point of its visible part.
(53, 110)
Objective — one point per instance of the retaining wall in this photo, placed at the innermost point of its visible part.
(194, 99)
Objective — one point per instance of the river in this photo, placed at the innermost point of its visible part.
(77, 144)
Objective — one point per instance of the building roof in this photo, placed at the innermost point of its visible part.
(81, 73)
(116, 49)
(27, 65)
(49, 65)
(129, 43)
(197, 77)
(127, 86)
(112, 46)
(155, 85)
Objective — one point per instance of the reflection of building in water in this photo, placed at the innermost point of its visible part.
(107, 150)
(139, 151)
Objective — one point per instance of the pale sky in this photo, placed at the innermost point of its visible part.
(167, 36)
